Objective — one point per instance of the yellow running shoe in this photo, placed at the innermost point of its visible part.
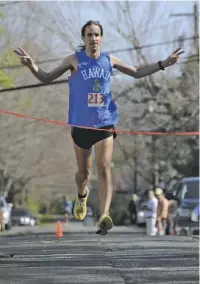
(105, 223)
(80, 207)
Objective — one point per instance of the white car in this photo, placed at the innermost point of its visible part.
(141, 214)
(6, 209)
(22, 217)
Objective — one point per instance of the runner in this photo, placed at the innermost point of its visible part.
(151, 213)
(91, 105)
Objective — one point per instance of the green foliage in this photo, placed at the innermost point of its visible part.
(8, 59)
(5, 80)
(56, 207)
(44, 219)
(2, 29)
(32, 205)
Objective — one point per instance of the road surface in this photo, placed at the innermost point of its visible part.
(123, 256)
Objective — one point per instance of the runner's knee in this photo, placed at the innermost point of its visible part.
(103, 168)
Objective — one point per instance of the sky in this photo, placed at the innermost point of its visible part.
(160, 27)
(150, 19)
(152, 16)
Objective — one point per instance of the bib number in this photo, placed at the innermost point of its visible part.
(95, 99)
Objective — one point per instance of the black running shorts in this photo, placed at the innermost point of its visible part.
(86, 138)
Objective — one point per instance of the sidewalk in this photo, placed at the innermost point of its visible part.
(72, 227)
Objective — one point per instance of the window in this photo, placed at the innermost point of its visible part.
(18, 212)
(190, 190)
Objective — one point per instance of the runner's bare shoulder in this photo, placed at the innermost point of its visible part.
(72, 62)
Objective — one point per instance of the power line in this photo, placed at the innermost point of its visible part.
(57, 82)
(34, 86)
(195, 21)
(112, 51)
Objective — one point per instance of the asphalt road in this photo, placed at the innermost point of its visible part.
(125, 255)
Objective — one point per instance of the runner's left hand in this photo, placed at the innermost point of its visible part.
(172, 59)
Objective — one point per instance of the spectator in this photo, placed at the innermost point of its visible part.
(133, 209)
(162, 211)
(67, 208)
(172, 206)
(151, 214)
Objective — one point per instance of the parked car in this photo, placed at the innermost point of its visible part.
(187, 197)
(6, 209)
(141, 214)
(23, 217)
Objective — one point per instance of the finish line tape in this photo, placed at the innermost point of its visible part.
(194, 133)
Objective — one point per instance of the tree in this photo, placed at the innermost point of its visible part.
(41, 153)
(5, 80)
(158, 101)
(37, 153)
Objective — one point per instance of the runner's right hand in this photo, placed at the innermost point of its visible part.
(24, 57)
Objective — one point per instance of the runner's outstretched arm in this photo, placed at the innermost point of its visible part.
(140, 72)
(45, 77)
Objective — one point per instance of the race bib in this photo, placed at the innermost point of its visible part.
(95, 99)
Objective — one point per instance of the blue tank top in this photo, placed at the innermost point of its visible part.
(90, 98)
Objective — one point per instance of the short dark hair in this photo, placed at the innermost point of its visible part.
(89, 23)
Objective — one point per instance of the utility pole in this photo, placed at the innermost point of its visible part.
(196, 25)
(135, 158)
(154, 158)
(154, 139)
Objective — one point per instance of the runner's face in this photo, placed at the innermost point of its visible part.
(92, 38)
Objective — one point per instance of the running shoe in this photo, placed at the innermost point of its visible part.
(105, 223)
(80, 207)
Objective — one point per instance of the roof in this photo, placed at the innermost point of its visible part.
(188, 179)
